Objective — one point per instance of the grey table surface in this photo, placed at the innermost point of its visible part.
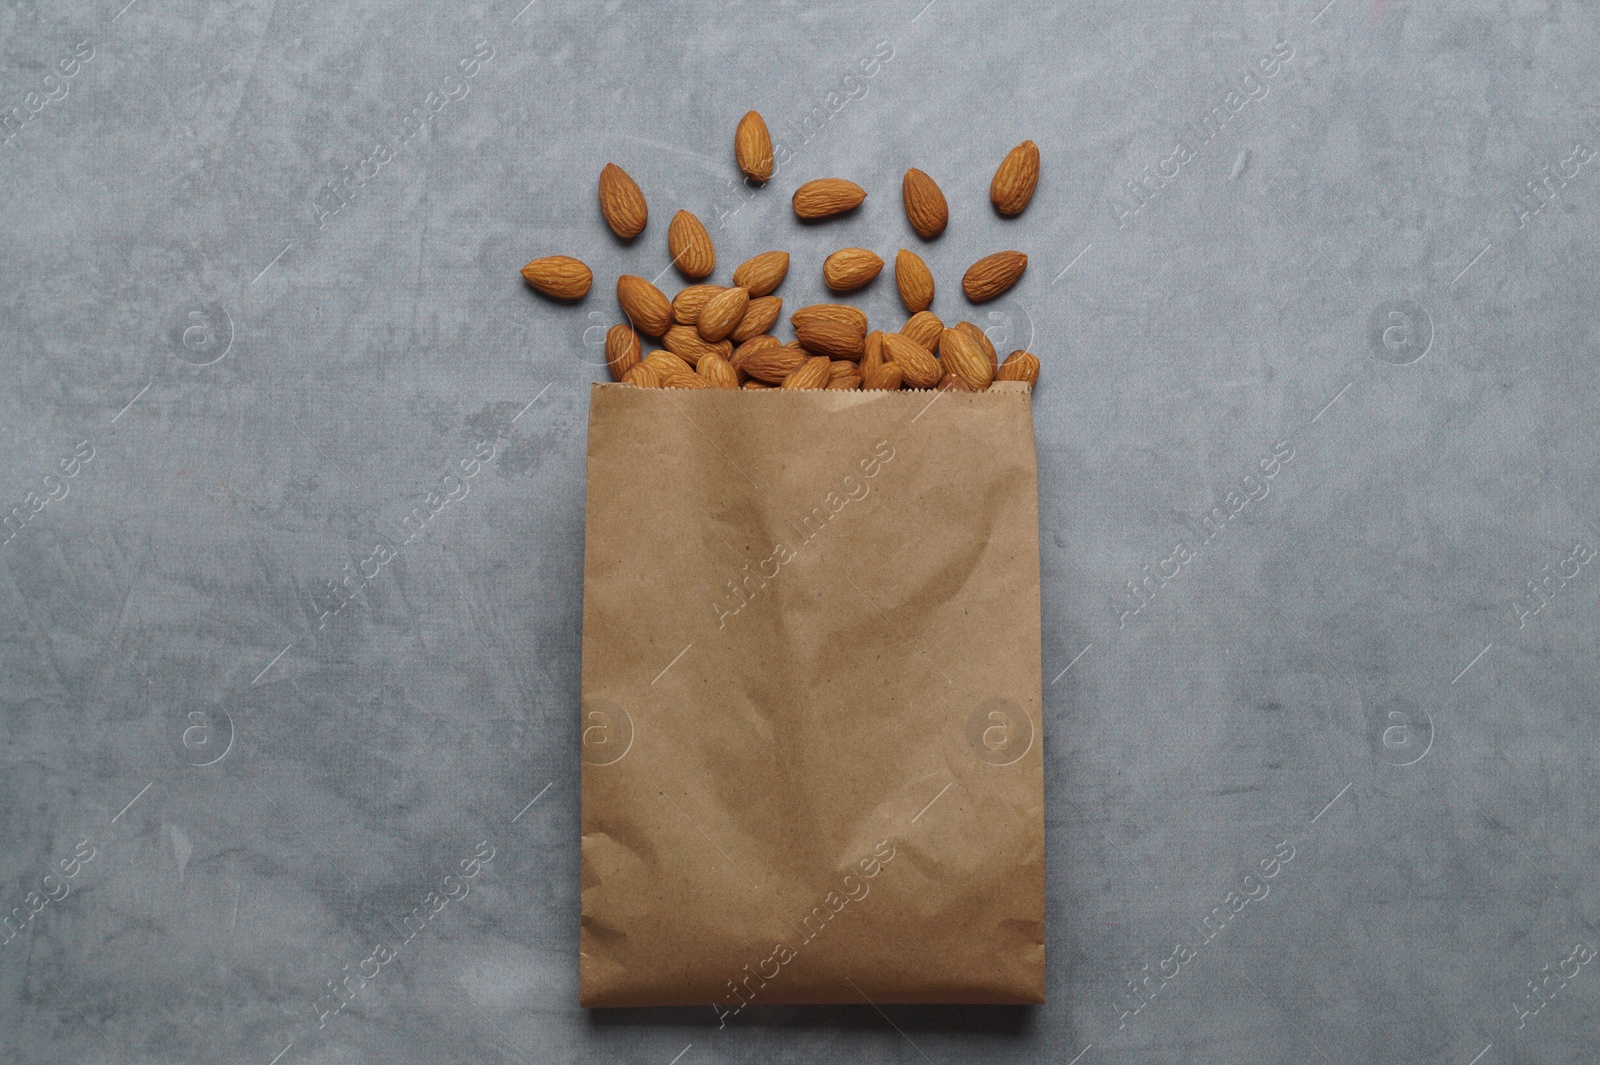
(1315, 291)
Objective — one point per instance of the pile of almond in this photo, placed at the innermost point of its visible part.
(715, 336)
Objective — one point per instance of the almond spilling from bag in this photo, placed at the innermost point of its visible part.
(886, 377)
(687, 303)
(925, 328)
(722, 312)
(992, 275)
(622, 351)
(664, 364)
(1019, 366)
(717, 372)
(692, 251)
(763, 273)
(838, 340)
(830, 312)
(559, 276)
(686, 342)
(826, 197)
(752, 147)
(772, 364)
(642, 376)
(980, 338)
(754, 344)
(1015, 179)
(644, 305)
(963, 357)
(813, 373)
(951, 383)
(759, 317)
(914, 280)
(622, 203)
(850, 268)
(871, 352)
(925, 207)
(918, 367)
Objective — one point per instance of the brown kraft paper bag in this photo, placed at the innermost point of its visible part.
(811, 721)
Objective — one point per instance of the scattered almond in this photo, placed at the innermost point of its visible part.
(687, 303)
(762, 273)
(872, 351)
(963, 357)
(622, 351)
(760, 316)
(885, 378)
(754, 344)
(925, 328)
(752, 147)
(813, 373)
(918, 367)
(825, 197)
(992, 275)
(1015, 180)
(622, 203)
(772, 364)
(833, 312)
(684, 379)
(717, 371)
(722, 312)
(1019, 366)
(559, 276)
(838, 340)
(850, 268)
(644, 305)
(914, 280)
(686, 342)
(692, 251)
(925, 207)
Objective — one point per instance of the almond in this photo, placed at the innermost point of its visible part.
(827, 196)
(717, 371)
(772, 364)
(622, 203)
(622, 351)
(850, 268)
(925, 328)
(832, 312)
(722, 312)
(847, 383)
(663, 363)
(925, 207)
(884, 378)
(948, 383)
(872, 351)
(918, 367)
(914, 280)
(754, 385)
(644, 305)
(813, 373)
(963, 357)
(642, 376)
(692, 251)
(980, 338)
(686, 305)
(752, 147)
(762, 273)
(684, 379)
(559, 276)
(1019, 366)
(837, 340)
(992, 275)
(760, 316)
(752, 345)
(842, 368)
(686, 343)
(1015, 179)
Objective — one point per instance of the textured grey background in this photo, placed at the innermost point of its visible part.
(263, 395)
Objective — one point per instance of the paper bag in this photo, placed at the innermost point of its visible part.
(811, 720)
